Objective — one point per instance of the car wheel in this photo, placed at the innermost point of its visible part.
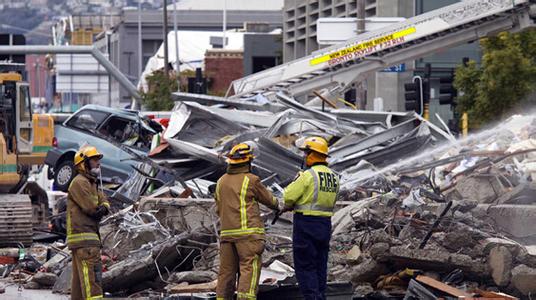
(63, 175)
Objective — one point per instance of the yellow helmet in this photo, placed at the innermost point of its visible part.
(240, 153)
(316, 144)
(86, 153)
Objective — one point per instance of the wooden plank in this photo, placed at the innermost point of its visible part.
(443, 287)
(316, 93)
(25, 207)
(19, 214)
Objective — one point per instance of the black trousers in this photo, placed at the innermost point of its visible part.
(311, 237)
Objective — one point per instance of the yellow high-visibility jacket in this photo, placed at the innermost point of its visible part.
(314, 192)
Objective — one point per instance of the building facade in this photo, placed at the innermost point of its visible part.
(123, 40)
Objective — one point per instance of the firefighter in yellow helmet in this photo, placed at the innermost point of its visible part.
(312, 197)
(238, 194)
(86, 205)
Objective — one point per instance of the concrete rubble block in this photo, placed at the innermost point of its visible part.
(434, 260)
(367, 271)
(63, 284)
(526, 256)
(32, 285)
(354, 255)
(482, 189)
(192, 277)
(45, 279)
(378, 249)
(489, 243)
(500, 263)
(524, 279)
(363, 289)
(521, 194)
(145, 263)
(455, 240)
(513, 219)
(120, 242)
(193, 288)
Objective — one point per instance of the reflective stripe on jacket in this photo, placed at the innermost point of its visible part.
(82, 201)
(314, 192)
(237, 196)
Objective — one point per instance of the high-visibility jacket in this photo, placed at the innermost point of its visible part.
(314, 192)
(238, 194)
(82, 201)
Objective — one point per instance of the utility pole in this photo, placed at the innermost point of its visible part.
(140, 54)
(360, 5)
(166, 58)
(361, 90)
(224, 22)
(177, 62)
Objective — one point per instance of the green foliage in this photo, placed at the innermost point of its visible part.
(503, 81)
(158, 98)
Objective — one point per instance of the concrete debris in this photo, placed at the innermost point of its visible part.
(500, 263)
(45, 279)
(193, 288)
(419, 214)
(192, 277)
(524, 279)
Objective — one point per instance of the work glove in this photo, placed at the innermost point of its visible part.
(287, 208)
(101, 212)
(280, 204)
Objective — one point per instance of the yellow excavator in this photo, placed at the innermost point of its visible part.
(24, 142)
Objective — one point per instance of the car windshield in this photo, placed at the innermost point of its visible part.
(88, 120)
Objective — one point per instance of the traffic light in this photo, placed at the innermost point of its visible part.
(413, 94)
(447, 92)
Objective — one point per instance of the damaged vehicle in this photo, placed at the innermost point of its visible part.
(108, 129)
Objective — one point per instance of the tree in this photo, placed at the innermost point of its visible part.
(158, 96)
(503, 81)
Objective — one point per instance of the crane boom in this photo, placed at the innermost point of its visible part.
(338, 66)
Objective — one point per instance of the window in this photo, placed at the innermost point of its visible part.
(25, 103)
(88, 120)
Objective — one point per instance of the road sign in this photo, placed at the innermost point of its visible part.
(396, 68)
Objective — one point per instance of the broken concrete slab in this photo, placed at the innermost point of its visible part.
(192, 277)
(193, 288)
(513, 219)
(45, 279)
(32, 285)
(378, 249)
(367, 271)
(500, 263)
(524, 279)
(435, 260)
(484, 189)
(63, 284)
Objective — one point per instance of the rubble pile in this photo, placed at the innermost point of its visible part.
(420, 213)
(458, 214)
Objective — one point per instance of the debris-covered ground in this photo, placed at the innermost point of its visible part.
(421, 215)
